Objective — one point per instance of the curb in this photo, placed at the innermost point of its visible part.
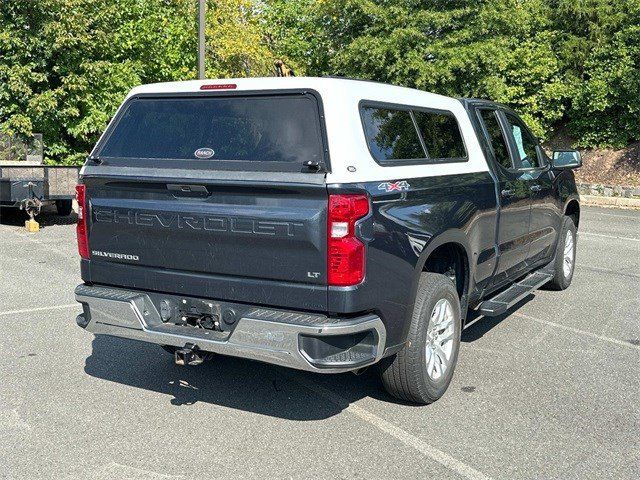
(603, 190)
(619, 202)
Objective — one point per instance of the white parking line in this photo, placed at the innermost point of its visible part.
(40, 309)
(117, 470)
(398, 433)
(578, 331)
(12, 422)
(614, 237)
(606, 270)
(591, 212)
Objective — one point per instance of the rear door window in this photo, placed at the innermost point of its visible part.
(276, 129)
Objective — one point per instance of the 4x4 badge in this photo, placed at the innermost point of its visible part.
(394, 186)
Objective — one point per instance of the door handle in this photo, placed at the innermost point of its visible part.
(535, 188)
(507, 193)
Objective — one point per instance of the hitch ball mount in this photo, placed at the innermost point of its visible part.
(190, 354)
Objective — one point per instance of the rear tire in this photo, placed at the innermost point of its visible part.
(422, 370)
(565, 259)
(64, 207)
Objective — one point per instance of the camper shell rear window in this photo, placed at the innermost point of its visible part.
(275, 132)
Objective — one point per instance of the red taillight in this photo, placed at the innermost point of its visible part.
(81, 227)
(345, 259)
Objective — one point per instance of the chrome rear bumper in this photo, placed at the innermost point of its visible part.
(286, 338)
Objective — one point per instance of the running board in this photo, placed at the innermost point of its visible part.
(512, 295)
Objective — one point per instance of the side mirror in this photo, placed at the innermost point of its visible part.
(566, 159)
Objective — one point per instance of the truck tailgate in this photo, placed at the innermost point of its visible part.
(211, 234)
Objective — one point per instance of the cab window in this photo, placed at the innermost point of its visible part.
(524, 143)
(498, 142)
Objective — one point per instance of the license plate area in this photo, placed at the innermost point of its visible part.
(197, 313)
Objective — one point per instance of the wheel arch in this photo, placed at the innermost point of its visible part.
(572, 209)
(453, 236)
(458, 240)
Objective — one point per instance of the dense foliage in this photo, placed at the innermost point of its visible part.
(561, 63)
(65, 65)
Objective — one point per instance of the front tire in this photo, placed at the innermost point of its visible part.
(422, 370)
(565, 258)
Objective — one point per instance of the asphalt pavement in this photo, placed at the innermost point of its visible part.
(549, 391)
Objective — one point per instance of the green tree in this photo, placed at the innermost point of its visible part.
(557, 62)
(495, 49)
(236, 45)
(598, 45)
(66, 65)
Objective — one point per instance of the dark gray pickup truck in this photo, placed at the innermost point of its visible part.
(317, 223)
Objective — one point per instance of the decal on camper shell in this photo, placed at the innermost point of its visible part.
(204, 153)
